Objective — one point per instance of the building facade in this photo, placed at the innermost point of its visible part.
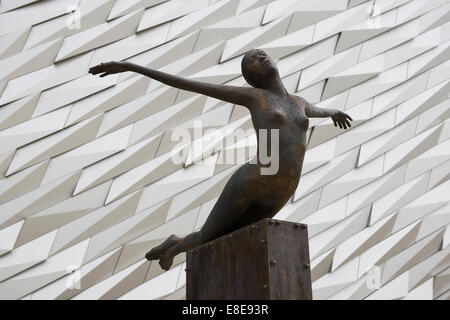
(88, 183)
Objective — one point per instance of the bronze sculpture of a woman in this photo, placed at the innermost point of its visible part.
(248, 195)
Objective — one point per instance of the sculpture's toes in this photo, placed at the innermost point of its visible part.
(166, 262)
(153, 254)
(156, 252)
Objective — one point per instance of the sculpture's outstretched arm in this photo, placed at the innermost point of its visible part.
(339, 118)
(237, 95)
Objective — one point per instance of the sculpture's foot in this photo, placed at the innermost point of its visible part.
(157, 252)
(166, 261)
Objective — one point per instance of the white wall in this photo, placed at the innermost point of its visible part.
(86, 179)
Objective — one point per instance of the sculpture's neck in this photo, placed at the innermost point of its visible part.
(275, 85)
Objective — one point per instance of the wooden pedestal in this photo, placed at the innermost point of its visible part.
(267, 260)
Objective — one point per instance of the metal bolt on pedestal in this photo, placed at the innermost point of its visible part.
(299, 225)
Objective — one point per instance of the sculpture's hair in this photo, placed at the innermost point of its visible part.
(252, 79)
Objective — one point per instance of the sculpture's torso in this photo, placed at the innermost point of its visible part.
(286, 115)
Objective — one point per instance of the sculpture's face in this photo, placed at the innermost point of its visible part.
(260, 64)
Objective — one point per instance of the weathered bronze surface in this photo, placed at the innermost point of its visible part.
(248, 196)
(263, 261)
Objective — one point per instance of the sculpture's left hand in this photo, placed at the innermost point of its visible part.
(341, 118)
(106, 68)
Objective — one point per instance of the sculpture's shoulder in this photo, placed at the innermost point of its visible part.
(261, 99)
(301, 102)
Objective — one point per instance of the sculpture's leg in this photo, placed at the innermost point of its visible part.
(230, 206)
(157, 251)
(228, 222)
(254, 213)
(190, 241)
(219, 222)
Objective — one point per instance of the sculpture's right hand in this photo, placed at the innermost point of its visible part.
(106, 68)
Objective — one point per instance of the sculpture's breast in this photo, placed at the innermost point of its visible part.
(298, 115)
(302, 121)
(277, 117)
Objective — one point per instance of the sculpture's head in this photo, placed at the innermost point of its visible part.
(257, 68)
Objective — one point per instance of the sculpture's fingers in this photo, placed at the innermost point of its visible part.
(340, 126)
(334, 121)
(348, 117)
(348, 123)
(97, 69)
(104, 74)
